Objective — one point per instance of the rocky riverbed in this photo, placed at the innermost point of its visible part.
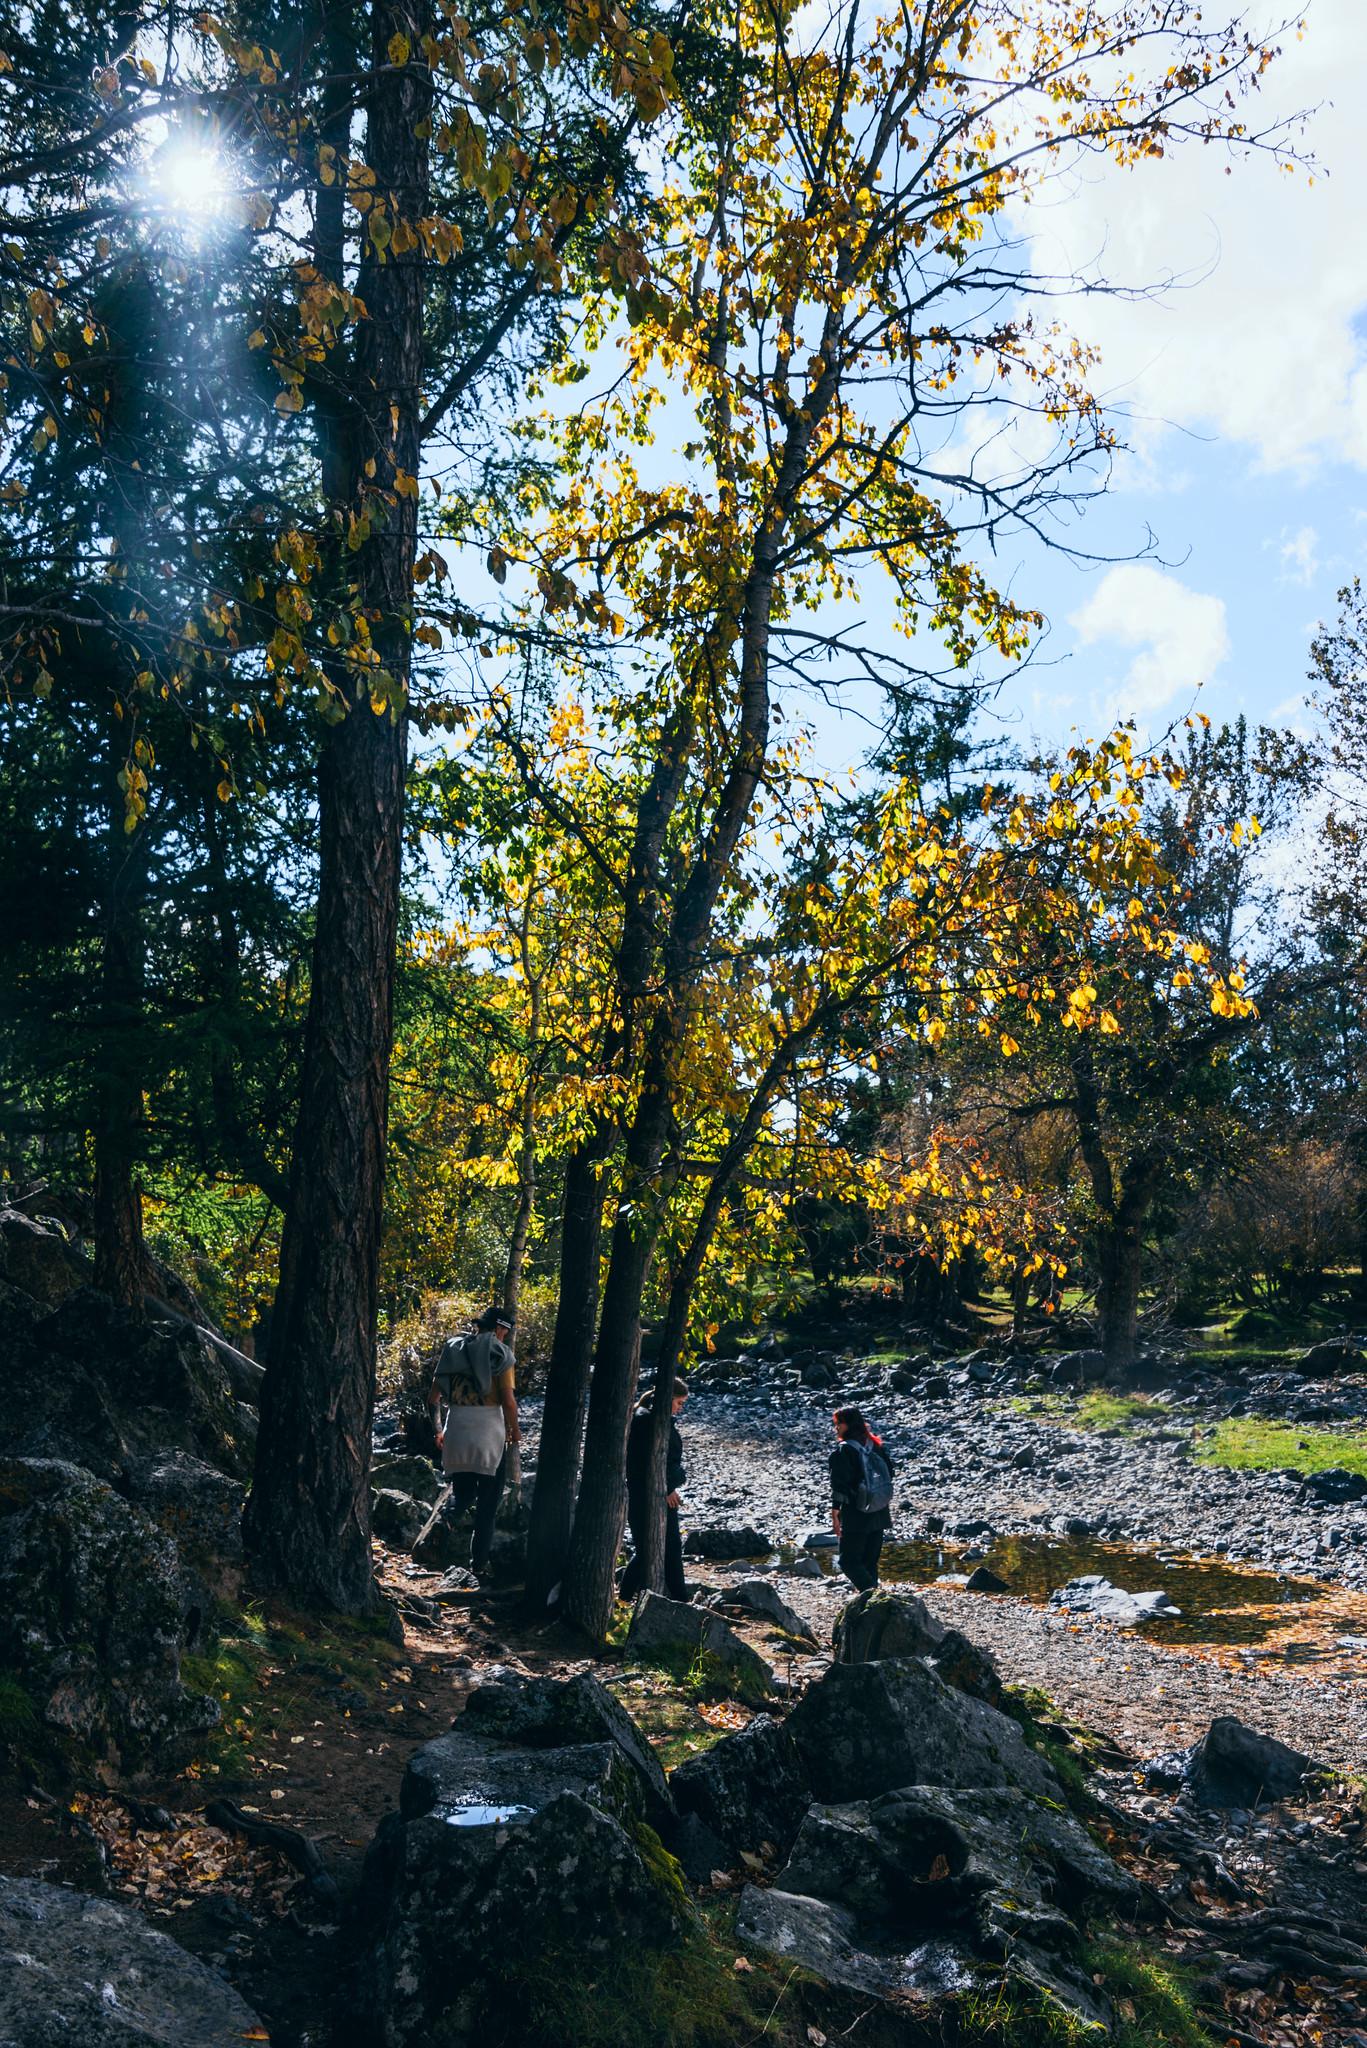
(972, 1457)
(1270, 1581)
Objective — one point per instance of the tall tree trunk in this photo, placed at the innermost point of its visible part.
(602, 1491)
(1020, 1303)
(567, 1376)
(308, 1518)
(646, 1184)
(685, 1280)
(601, 1506)
(1120, 1248)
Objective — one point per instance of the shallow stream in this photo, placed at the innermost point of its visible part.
(1220, 1603)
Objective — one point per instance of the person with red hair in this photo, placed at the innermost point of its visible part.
(861, 1496)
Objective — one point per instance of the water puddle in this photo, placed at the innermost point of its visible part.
(1221, 1603)
(472, 1815)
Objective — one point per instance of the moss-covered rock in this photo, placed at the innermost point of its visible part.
(886, 1623)
(548, 1713)
(549, 1872)
(95, 1599)
(92, 1385)
(749, 1789)
(200, 1509)
(863, 1729)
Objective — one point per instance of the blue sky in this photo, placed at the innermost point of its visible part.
(1240, 390)
(1244, 391)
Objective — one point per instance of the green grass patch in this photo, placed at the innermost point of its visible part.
(1038, 1719)
(1098, 1410)
(1246, 1444)
(1218, 1358)
(1153, 2000)
(273, 1669)
(1165, 2010)
(1117, 1411)
(702, 1675)
(669, 1719)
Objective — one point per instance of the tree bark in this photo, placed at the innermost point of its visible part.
(601, 1506)
(1020, 1303)
(308, 1518)
(131, 431)
(1120, 1252)
(567, 1377)
(1122, 1213)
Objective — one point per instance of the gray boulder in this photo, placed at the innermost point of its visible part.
(749, 1789)
(1079, 1369)
(994, 1879)
(552, 1713)
(467, 1782)
(984, 1580)
(823, 1937)
(863, 1729)
(1093, 1594)
(396, 1518)
(801, 1568)
(700, 1853)
(997, 1864)
(77, 1972)
(38, 1258)
(1232, 1766)
(463, 1905)
(760, 1598)
(440, 1543)
(663, 1630)
(417, 1477)
(95, 1598)
(720, 1545)
(1337, 1486)
(1333, 1356)
(200, 1509)
(882, 1623)
(89, 1384)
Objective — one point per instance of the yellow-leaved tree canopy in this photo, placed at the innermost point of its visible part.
(836, 284)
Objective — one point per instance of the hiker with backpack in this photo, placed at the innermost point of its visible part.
(474, 1416)
(861, 1497)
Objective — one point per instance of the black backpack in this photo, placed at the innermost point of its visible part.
(875, 1488)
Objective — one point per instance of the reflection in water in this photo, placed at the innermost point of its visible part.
(1220, 1603)
(472, 1815)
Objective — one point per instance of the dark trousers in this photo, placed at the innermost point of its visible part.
(473, 1489)
(861, 1543)
(633, 1578)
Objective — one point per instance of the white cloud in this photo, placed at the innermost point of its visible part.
(1299, 555)
(1261, 340)
(1178, 637)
